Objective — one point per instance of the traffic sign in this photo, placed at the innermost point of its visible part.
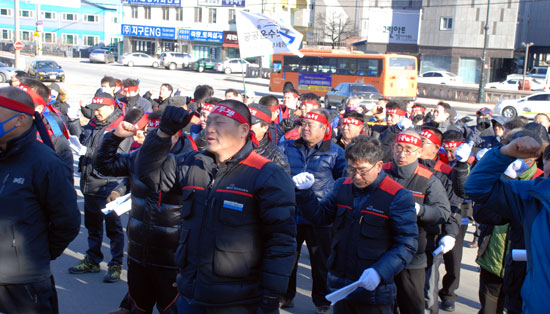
(36, 34)
(18, 45)
(39, 22)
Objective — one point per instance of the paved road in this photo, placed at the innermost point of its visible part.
(87, 293)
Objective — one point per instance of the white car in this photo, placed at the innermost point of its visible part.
(138, 58)
(439, 77)
(513, 83)
(233, 66)
(528, 106)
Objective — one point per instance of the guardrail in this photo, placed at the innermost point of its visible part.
(258, 72)
(467, 94)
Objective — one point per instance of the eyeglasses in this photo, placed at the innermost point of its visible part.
(401, 150)
(361, 171)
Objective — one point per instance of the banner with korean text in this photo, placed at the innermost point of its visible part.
(260, 35)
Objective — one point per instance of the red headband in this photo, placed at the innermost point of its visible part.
(422, 109)
(273, 108)
(144, 121)
(311, 102)
(153, 123)
(36, 99)
(451, 145)
(430, 136)
(260, 115)
(131, 88)
(207, 107)
(103, 101)
(323, 120)
(230, 113)
(396, 111)
(409, 139)
(14, 105)
(352, 121)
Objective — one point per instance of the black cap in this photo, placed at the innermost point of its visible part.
(55, 87)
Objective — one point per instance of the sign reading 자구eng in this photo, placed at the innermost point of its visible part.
(315, 82)
(148, 31)
(393, 26)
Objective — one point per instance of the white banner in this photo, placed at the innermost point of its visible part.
(260, 35)
(393, 26)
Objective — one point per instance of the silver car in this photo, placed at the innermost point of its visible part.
(6, 72)
(139, 59)
(175, 60)
(101, 55)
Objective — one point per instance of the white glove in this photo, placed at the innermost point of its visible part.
(369, 279)
(417, 207)
(516, 168)
(447, 243)
(303, 180)
(462, 153)
(404, 124)
(481, 153)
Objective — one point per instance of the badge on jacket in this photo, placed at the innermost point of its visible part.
(233, 205)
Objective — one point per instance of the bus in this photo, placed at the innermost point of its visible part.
(321, 70)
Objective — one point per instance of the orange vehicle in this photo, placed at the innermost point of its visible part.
(320, 70)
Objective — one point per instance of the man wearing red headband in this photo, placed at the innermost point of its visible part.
(351, 126)
(51, 117)
(451, 233)
(130, 90)
(396, 121)
(151, 267)
(291, 99)
(237, 242)
(39, 215)
(308, 102)
(315, 153)
(96, 188)
(275, 130)
(432, 210)
(260, 117)
(197, 130)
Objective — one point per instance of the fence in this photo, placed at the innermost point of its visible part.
(467, 94)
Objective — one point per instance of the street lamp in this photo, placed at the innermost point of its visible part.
(526, 45)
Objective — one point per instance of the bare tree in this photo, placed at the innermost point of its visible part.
(335, 28)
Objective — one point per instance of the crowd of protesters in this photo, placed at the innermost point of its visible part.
(224, 192)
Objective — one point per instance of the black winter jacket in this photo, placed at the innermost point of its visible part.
(237, 241)
(155, 220)
(91, 181)
(378, 230)
(270, 151)
(39, 215)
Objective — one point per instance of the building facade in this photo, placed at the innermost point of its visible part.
(61, 25)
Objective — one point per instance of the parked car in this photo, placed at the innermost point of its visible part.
(339, 95)
(101, 55)
(204, 64)
(174, 60)
(234, 65)
(513, 84)
(538, 72)
(46, 70)
(139, 59)
(6, 72)
(528, 106)
(439, 77)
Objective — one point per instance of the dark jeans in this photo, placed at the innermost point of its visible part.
(453, 261)
(148, 286)
(93, 220)
(34, 297)
(318, 241)
(410, 291)
(490, 293)
(346, 307)
(74, 127)
(186, 308)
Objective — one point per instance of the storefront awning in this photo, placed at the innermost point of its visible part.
(231, 45)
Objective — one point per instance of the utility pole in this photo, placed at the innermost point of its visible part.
(481, 96)
(16, 35)
(526, 45)
(39, 37)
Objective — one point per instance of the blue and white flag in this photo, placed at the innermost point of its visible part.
(260, 35)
